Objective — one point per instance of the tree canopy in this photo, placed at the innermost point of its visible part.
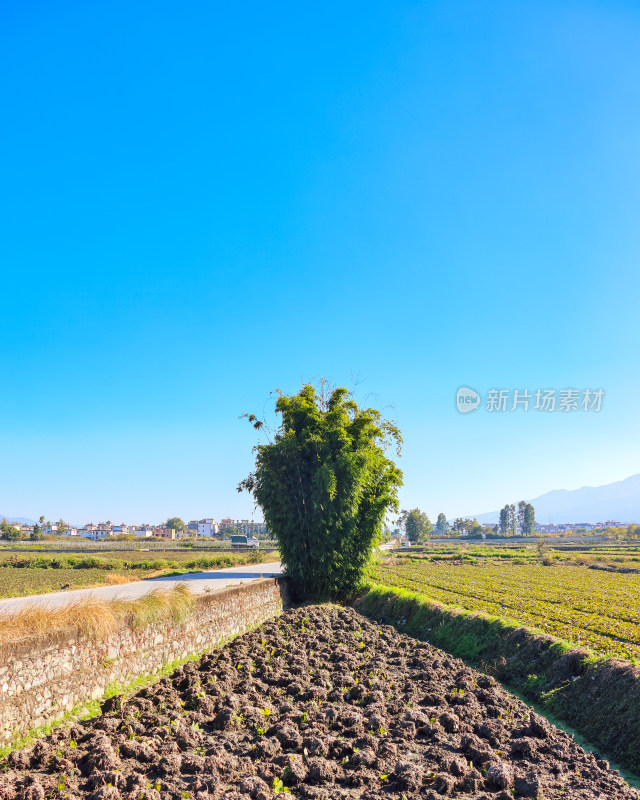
(442, 526)
(9, 532)
(325, 485)
(36, 534)
(417, 526)
(465, 525)
(176, 523)
(523, 519)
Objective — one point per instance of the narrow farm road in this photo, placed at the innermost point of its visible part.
(198, 582)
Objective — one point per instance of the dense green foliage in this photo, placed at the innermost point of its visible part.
(465, 525)
(325, 485)
(9, 532)
(528, 519)
(522, 520)
(442, 526)
(37, 534)
(176, 523)
(417, 526)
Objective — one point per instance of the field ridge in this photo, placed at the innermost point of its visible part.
(597, 696)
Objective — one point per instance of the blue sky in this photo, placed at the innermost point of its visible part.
(202, 203)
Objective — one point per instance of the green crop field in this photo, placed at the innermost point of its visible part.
(591, 608)
(20, 582)
(34, 573)
(133, 559)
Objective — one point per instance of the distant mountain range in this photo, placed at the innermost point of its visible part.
(619, 501)
(22, 520)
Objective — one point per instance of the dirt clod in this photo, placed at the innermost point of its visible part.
(326, 705)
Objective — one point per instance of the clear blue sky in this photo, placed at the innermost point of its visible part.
(202, 202)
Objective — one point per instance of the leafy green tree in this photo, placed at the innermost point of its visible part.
(442, 526)
(325, 485)
(176, 523)
(513, 526)
(36, 534)
(529, 520)
(504, 521)
(62, 528)
(464, 525)
(521, 512)
(9, 532)
(418, 527)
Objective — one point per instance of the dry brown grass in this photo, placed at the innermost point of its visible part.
(113, 579)
(91, 617)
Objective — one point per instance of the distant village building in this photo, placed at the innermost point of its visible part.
(120, 530)
(165, 533)
(26, 530)
(208, 527)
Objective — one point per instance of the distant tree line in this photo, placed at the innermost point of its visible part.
(522, 520)
(513, 521)
(418, 528)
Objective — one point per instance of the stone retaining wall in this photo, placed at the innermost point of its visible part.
(38, 684)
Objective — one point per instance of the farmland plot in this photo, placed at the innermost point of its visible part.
(21, 582)
(317, 704)
(590, 608)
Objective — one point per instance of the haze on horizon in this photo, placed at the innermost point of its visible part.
(202, 204)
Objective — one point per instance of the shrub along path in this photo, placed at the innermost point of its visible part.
(321, 704)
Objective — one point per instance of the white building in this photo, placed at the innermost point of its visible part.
(101, 532)
(208, 527)
(120, 530)
(143, 532)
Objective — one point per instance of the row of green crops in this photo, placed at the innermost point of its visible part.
(591, 608)
(132, 561)
(18, 583)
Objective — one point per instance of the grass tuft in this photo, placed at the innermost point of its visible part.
(92, 617)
